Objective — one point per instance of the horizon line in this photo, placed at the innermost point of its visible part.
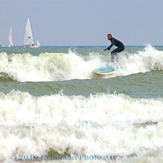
(87, 45)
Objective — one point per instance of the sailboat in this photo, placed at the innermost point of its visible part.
(38, 43)
(10, 39)
(28, 37)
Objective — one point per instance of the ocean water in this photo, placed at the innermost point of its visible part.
(54, 108)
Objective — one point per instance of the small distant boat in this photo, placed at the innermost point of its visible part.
(38, 43)
(10, 39)
(28, 37)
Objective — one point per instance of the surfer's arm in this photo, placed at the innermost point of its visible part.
(109, 47)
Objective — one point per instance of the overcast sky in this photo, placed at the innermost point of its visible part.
(83, 22)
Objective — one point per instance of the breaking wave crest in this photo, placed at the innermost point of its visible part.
(67, 66)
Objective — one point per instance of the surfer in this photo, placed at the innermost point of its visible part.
(119, 44)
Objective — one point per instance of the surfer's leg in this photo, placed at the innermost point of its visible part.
(114, 56)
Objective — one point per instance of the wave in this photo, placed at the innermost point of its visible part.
(109, 108)
(102, 124)
(144, 61)
(46, 67)
(67, 66)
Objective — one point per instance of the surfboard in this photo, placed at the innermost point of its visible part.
(104, 71)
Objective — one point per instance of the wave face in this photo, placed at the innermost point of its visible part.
(67, 66)
(101, 124)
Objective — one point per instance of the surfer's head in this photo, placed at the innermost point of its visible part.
(109, 36)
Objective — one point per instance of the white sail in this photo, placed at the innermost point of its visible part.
(28, 38)
(10, 38)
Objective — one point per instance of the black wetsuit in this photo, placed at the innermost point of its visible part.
(120, 47)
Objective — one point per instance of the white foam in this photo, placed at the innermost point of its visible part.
(143, 61)
(100, 124)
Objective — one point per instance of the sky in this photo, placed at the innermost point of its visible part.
(83, 22)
